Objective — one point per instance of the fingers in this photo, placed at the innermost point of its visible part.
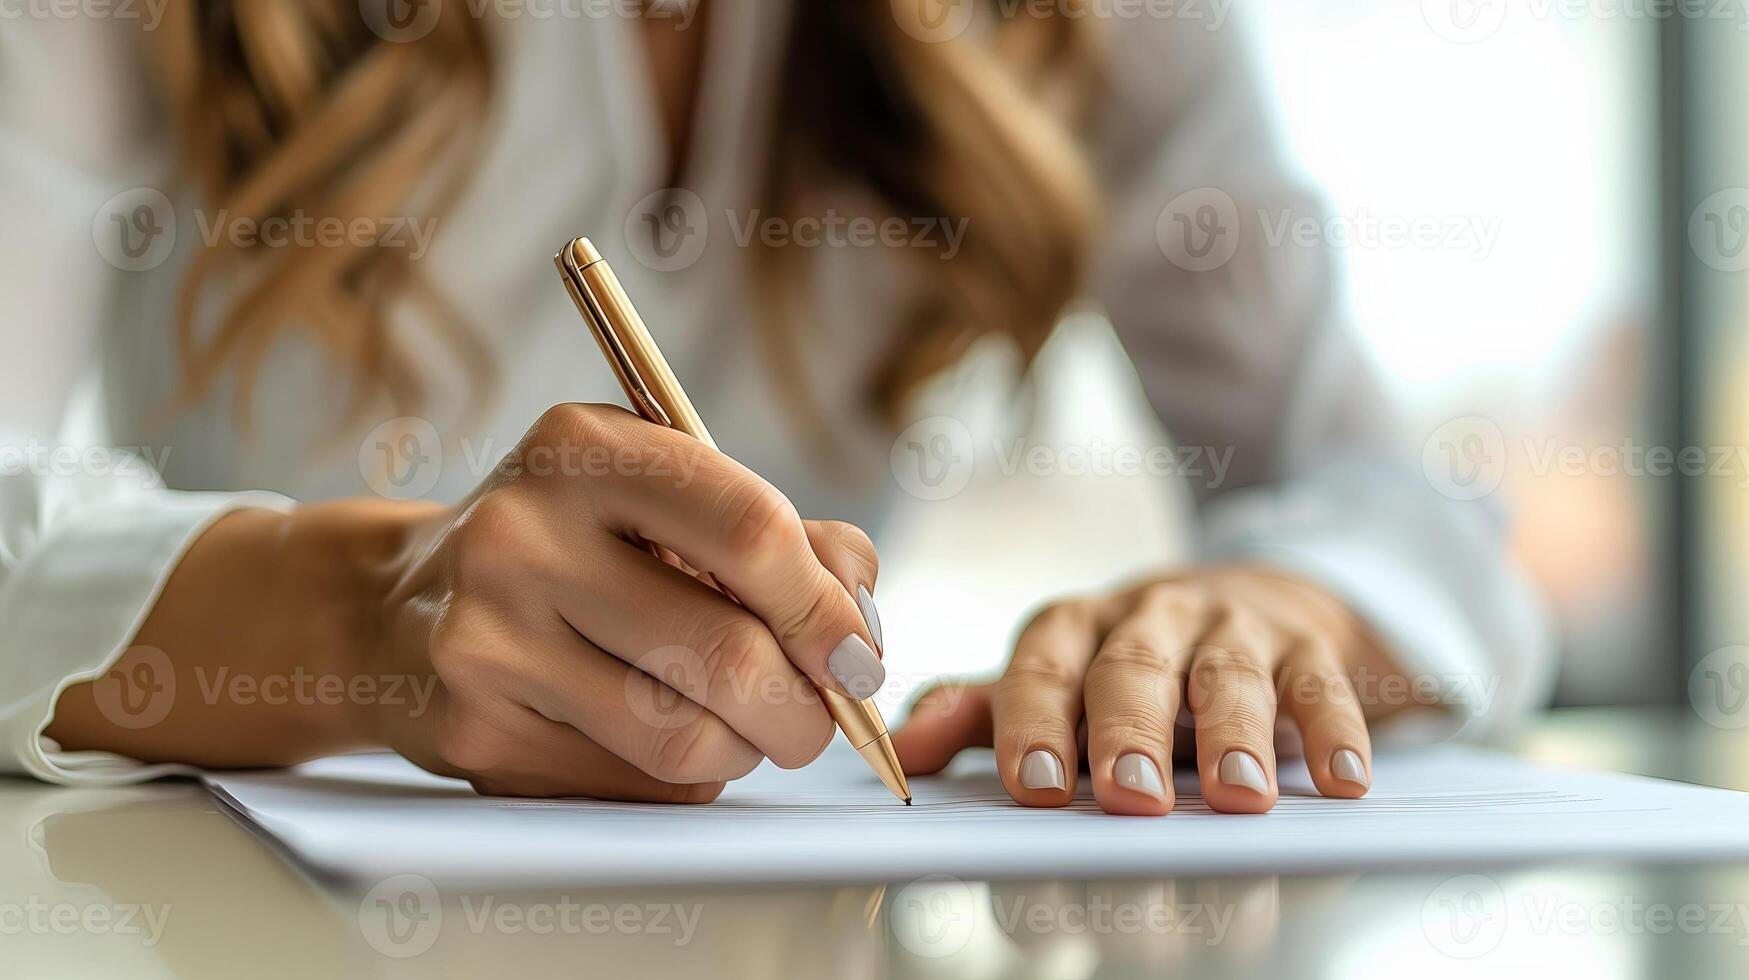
(849, 555)
(1232, 701)
(945, 720)
(559, 761)
(1132, 698)
(711, 651)
(1036, 706)
(496, 665)
(1319, 698)
(723, 519)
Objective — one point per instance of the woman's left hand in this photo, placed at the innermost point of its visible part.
(1222, 650)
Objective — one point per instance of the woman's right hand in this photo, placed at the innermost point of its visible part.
(570, 661)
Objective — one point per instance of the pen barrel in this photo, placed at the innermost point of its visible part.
(660, 388)
(861, 720)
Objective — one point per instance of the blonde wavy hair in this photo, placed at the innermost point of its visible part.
(297, 106)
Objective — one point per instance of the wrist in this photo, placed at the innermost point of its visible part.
(353, 554)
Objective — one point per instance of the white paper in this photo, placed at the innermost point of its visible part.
(365, 818)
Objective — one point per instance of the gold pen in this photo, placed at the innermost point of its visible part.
(656, 395)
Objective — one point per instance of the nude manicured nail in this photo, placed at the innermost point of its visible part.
(1346, 766)
(1042, 770)
(856, 667)
(1239, 769)
(871, 616)
(1138, 772)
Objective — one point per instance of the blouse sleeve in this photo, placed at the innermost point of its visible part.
(88, 532)
(1234, 323)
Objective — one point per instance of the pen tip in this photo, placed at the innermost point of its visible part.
(907, 801)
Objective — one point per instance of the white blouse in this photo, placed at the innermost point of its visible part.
(98, 500)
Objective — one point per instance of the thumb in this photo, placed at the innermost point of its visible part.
(947, 719)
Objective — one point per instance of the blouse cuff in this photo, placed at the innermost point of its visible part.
(72, 609)
(1441, 657)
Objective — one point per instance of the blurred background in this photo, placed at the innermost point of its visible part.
(1574, 327)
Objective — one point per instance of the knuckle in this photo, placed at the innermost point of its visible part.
(1227, 666)
(734, 649)
(800, 620)
(760, 523)
(855, 544)
(1071, 617)
(1129, 652)
(1040, 672)
(1317, 686)
(1175, 597)
(1134, 719)
(470, 743)
(497, 536)
(1239, 719)
(575, 422)
(695, 752)
(460, 649)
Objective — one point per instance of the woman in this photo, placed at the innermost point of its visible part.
(300, 309)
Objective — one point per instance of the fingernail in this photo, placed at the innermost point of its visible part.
(1138, 772)
(856, 667)
(1346, 766)
(1041, 770)
(1239, 769)
(871, 616)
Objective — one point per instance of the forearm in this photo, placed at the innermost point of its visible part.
(264, 624)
